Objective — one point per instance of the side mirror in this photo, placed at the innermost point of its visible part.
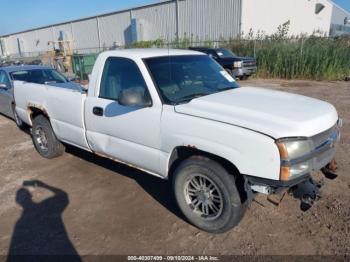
(3, 86)
(134, 97)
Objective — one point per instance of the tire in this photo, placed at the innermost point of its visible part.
(243, 77)
(44, 139)
(20, 124)
(227, 212)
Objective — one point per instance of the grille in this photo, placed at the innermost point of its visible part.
(249, 63)
(322, 159)
(321, 138)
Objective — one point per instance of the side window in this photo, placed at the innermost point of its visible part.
(36, 76)
(4, 79)
(121, 74)
(20, 76)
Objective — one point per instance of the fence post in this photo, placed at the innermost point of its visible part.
(301, 56)
(177, 15)
(98, 33)
(254, 48)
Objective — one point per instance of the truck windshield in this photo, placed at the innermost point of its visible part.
(183, 78)
(39, 76)
(223, 53)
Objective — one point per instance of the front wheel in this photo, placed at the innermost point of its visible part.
(44, 139)
(207, 195)
(245, 77)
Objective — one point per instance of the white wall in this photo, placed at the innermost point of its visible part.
(337, 21)
(267, 15)
(338, 15)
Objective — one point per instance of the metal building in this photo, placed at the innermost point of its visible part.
(199, 20)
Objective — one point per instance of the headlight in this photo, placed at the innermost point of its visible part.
(237, 64)
(291, 150)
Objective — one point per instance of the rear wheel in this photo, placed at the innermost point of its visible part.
(207, 195)
(44, 138)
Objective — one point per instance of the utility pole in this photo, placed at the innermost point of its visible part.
(177, 19)
(98, 33)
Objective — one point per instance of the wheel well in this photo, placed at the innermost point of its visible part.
(181, 153)
(34, 112)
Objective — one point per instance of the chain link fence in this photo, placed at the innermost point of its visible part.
(318, 58)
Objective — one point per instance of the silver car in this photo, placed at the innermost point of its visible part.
(33, 74)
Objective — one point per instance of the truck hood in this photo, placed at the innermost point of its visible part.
(274, 113)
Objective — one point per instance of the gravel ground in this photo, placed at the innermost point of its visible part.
(89, 205)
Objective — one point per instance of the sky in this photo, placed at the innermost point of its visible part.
(19, 15)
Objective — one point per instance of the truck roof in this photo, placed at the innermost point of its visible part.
(11, 69)
(202, 48)
(150, 52)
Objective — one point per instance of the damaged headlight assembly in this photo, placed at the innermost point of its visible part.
(294, 162)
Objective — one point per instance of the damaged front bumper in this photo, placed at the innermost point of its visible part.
(303, 188)
(274, 186)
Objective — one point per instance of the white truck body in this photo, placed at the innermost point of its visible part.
(178, 114)
(231, 124)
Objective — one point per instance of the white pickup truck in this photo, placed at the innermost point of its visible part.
(178, 115)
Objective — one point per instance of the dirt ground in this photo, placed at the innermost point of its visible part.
(90, 205)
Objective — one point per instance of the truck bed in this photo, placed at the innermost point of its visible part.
(64, 106)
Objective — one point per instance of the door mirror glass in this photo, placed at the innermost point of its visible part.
(134, 97)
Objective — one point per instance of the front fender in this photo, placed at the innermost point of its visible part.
(251, 152)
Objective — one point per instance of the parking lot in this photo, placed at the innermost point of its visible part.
(90, 205)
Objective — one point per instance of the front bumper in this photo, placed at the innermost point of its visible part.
(244, 71)
(277, 185)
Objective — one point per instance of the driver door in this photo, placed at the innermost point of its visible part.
(128, 133)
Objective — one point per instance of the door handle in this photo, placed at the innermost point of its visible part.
(98, 111)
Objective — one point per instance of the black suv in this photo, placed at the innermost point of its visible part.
(241, 67)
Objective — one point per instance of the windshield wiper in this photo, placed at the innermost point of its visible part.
(189, 98)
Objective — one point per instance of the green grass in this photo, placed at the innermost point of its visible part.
(315, 58)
